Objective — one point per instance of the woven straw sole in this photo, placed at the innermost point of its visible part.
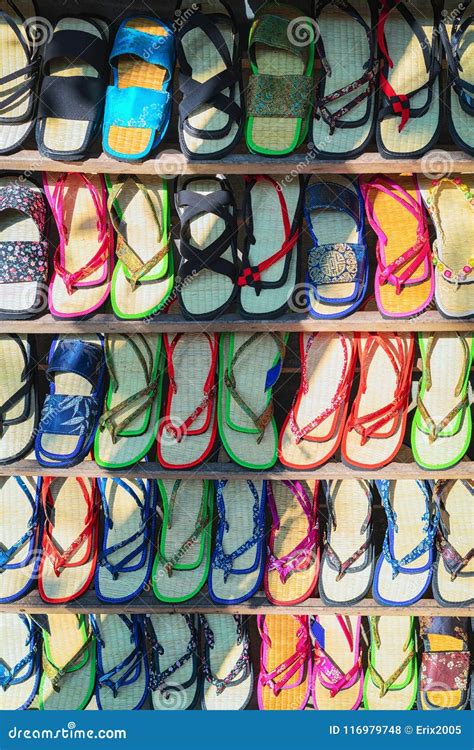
(281, 629)
(193, 359)
(239, 502)
(269, 233)
(15, 515)
(409, 504)
(191, 568)
(238, 432)
(16, 437)
(460, 518)
(447, 365)
(460, 121)
(336, 645)
(325, 362)
(222, 659)
(138, 226)
(80, 219)
(293, 528)
(344, 39)
(13, 634)
(173, 636)
(138, 437)
(442, 698)
(408, 74)
(394, 632)
(349, 502)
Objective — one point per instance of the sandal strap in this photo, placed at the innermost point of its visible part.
(453, 560)
(333, 558)
(241, 666)
(290, 666)
(158, 678)
(6, 555)
(202, 522)
(56, 674)
(9, 676)
(385, 685)
(24, 391)
(451, 275)
(460, 25)
(133, 663)
(332, 673)
(27, 76)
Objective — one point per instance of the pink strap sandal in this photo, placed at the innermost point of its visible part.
(337, 685)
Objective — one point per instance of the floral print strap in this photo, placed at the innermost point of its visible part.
(332, 675)
(158, 679)
(293, 664)
(444, 669)
(201, 523)
(18, 197)
(24, 260)
(240, 670)
(9, 676)
(452, 275)
(6, 555)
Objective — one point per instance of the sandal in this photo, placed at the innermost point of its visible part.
(138, 103)
(71, 100)
(391, 680)
(374, 432)
(405, 567)
(346, 95)
(174, 661)
(126, 555)
(21, 528)
(456, 29)
(207, 276)
(208, 51)
(445, 661)
(450, 202)
(313, 428)
(84, 258)
(226, 665)
(68, 661)
(442, 425)
(280, 87)
(129, 423)
(239, 553)
(71, 410)
(188, 428)
(454, 571)
(20, 662)
(338, 675)
(347, 566)
(122, 663)
(338, 263)
(272, 214)
(284, 682)
(410, 113)
(24, 248)
(404, 281)
(292, 565)
(18, 397)
(182, 562)
(144, 275)
(249, 368)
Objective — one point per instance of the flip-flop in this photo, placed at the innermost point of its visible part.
(457, 29)
(249, 367)
(454, 573)
(338, 675)
(445, 661)
(209, 54)
(71, 100)
(410, 112)
(84, 257)
(272, 211)
(347, 565)
(280, 87)
(450, 203)
(71, 410)
(375, 429)
(405, 567)
(345, 104)
(284, 682)
(391, 679)
(18, 397)
(404, 278)
(313, 429)
(182, 562)
(442, 425)
(24, 248)
(19, 661)
(122, 663)
(69, 663)
(174, 661)
(226, 665)
(126, 555)
(188, 428)
(21, 529)
(238, 559)
(138, 103)
(338, 263)
(128, 426)
(143, 279)
(292, 566)
(207, 276)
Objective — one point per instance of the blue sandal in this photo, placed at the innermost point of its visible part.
(19, 677)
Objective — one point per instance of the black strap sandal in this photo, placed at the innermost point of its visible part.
(18, 397)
